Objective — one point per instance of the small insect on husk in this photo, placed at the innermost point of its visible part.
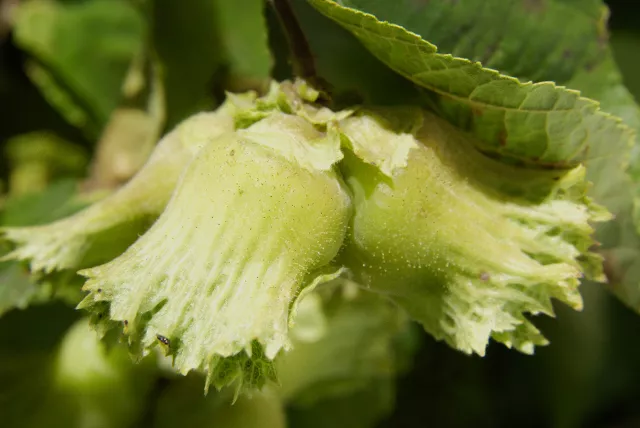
(163, 340)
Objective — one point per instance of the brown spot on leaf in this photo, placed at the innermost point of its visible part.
(536, 6)
(610, 267)
(590, 66)
(502, 138)
(484, 276)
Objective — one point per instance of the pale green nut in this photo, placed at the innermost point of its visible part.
(466, 245)
(106, 228)
(254, 222)
(89, 381)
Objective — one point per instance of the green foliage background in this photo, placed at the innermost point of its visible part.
(58, 92)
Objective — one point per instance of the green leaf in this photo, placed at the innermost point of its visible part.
(351, 73)
(18, 289)
(64, 38)
(616, 188)
(243, 31)
(540, 123)
(190, 56)
(534, 40)
(555, 40)
(38, 158)
(604, 83)
(216, 39)
(61, 98)
(56, 201)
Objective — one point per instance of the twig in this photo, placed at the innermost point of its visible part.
(302, 59)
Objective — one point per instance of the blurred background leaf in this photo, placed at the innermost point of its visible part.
(352, 74)
(19, 289)
(62, 39)
(206, 46)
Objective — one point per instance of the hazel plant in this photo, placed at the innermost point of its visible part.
(254, 221)
(282, 195)
(465, 244)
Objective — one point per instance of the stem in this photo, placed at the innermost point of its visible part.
(302, 58)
